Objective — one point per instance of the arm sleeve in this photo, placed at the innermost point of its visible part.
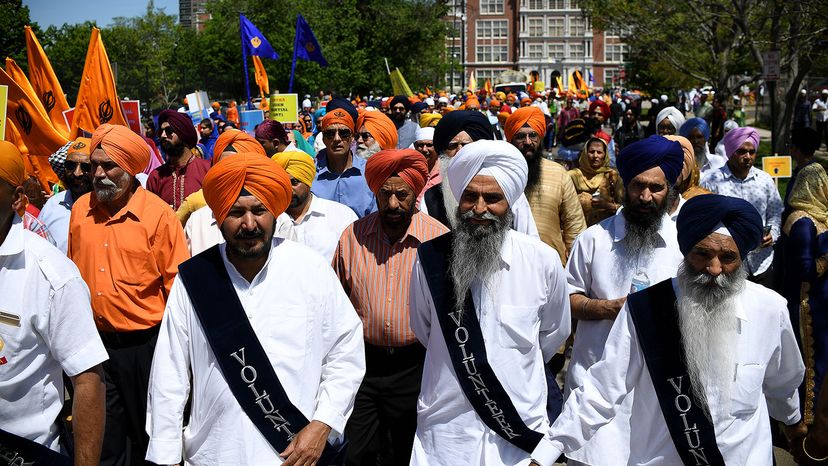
(169, 381)
(773, 215)
(799, 250)
(70, 334)
(572, 216)
(340, 259)
(555, 320)
(170, 249)
(419, 303)
(578, 277)
(344, 364)
(784, 374)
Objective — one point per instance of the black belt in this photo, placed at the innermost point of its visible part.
(386, 360)
(132, 338)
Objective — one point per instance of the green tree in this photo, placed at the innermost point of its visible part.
(12, 38)
(66, 48)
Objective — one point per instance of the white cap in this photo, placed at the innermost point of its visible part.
(443, 99)
(803, 92)
(424, 134)
(663, 97)
(306, 103)
(429, 101)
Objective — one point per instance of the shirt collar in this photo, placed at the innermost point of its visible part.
(415, 228)
(133, 206)
(313, 210)
(357, 163)
(13, 244)
(729, 174)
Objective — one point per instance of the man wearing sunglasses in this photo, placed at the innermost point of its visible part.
(76, 177)
(406, 129)
(424, 144)
(739, 178)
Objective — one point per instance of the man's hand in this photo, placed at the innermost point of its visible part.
(794, 432)
(767, 240)
(307, 446)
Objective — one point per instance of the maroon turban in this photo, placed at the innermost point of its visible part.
(271, 130)
(409, 164)
(181, 124)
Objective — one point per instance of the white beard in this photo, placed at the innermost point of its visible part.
(366, 152)
(449, 201)
(707, 321)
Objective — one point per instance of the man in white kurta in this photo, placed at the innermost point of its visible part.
(523, 311)
(766, 371)
(307, 327)
(605, 266)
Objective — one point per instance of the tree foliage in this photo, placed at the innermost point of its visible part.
(12, 39)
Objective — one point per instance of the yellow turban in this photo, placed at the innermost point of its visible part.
(12, 168)
(123, 146)
(429, 119)
(297, 164)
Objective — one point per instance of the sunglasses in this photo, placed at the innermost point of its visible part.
(398, 109)
(364, 136)
(741, 152)
(420, 145)
(344, 133)
(168, 131)
(70, 167)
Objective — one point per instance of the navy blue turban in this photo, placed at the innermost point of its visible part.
(419, 107)
(692, 124)
(471, 121)
(400, 99)
(655, 151)
(344, 104)
(701, 216)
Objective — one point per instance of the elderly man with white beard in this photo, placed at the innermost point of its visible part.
(490, 305)
(708, 354)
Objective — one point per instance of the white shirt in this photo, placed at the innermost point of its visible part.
(714, 161)
(202, 231)
(524, 319)
(759, 189)
(320, 227)
(43, 290)
(601, 267)
(769, 370)
(308, 328)
(55, 215)
(820, 109)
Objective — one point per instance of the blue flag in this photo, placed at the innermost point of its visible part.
(253, 41)
(307, 48)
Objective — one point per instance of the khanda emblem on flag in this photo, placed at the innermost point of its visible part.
(105, 111)
(309, 46)
(48, 100)
(79, 145)
(256, 42)
(24, 119)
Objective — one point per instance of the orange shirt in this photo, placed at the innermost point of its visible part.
(376, 275)
(128, 260)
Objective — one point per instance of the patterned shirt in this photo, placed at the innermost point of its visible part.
(759, 189)
(31, 223)
(376, 275)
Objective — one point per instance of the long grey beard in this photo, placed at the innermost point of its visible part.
(449, 202)
(107, 190)
(701, 155)
(707, 320)
(476, 251)
(366, 152)
(641, 233)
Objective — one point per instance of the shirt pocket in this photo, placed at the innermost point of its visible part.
(136, 267)
(518, 327)
(283, 330)
(747, 390)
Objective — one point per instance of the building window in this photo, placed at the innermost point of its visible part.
(492, 53)
(557, 50)
(491, 7)
(493, 29)
(573, 5)
(556, 27)
(576, 50)
(615, 52)
(534, 51)
(612, 76)
(535, 27)
(535, 5)
(481, 75)
(576, 26)
(557, 4)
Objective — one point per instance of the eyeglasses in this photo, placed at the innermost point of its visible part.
(420, 145)
(533, 135)
(364, 136)
(456, 145)
(70, 167)
(741, 152)
(398, 109)
(168, 131)
(344, 133)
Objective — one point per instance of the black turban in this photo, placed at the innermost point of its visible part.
(471, 121)
(344, 104)
(400, 99)
(181, 124)
(701, 216)
(655, 151)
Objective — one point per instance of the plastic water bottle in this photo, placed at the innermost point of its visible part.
(640, 281)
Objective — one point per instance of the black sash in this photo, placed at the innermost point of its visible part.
(655, 317)
(240, 355)
(434, 202)
(467, 350)
(19, 451)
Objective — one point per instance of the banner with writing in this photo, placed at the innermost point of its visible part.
(284, 108)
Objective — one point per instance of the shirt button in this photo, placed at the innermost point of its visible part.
(106, 245)
(99, 293)
(102, 269)
(388, 324)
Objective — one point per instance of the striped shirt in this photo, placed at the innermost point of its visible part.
(376, 275)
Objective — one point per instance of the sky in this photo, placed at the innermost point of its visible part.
(57, 12)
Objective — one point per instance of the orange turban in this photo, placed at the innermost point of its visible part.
(262, 177)
(12, 168)
(472, 102)
(338, 116)
(123, 146)
(80, 146)
(520, 117)
(240, 141)
(689, 166)
(409, 164)
(381, 128)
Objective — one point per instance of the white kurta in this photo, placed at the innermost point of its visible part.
(202, 231)
(601, 267)
(524, 319)
(47, 329)
(320, 227)
(768, 372)
(308, 328)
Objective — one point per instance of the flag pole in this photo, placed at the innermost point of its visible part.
(244, 58)
(293, 65)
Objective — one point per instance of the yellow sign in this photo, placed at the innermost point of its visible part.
(4, 98)
(284, 108)
(777, 167)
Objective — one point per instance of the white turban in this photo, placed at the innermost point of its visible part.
(306, 103)
(499, 159)
(429, 101)
(424, 134)
(673, 114)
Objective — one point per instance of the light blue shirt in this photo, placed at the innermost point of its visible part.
(55, 215)
(348, 187)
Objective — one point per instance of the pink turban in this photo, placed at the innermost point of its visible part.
(736, 137)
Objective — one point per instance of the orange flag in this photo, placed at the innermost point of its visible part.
(29, 128)
(98, 101)
(45, 83)
(17, 75)
(261, 76)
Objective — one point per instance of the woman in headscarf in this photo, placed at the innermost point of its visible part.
(805, 243)
(599, 187)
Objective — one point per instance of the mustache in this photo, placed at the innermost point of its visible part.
(105, 183)
(252, 234)
(484, 216)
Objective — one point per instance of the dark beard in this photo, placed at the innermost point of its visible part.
(171, 150)
(259, 250)
(475, 251)
(78, 185)
(534, 162)
(642, 228)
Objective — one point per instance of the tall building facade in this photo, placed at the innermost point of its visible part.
(531, 35)
(193, 14)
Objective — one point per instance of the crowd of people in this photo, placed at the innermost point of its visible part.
(505, 279)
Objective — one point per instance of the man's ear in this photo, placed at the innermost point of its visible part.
(18, 199)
